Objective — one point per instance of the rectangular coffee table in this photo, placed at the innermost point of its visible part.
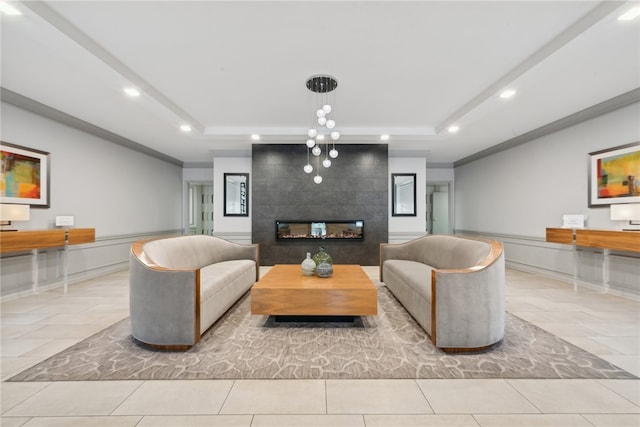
(285, 291)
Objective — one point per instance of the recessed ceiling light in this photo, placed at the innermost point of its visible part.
(384, 137)
(132, 92)
(320, 137)
(453, 129)
(185, 128)
(8, 9)
(507, 93)
(630, 14)
(255, 137)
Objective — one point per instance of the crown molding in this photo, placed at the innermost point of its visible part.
(620, 101)
(43, 110)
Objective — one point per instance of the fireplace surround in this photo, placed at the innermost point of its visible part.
(358, 190)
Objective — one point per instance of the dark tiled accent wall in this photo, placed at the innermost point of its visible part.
(354, 187)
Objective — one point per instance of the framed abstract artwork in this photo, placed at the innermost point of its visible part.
(614, 175)
(24, 175)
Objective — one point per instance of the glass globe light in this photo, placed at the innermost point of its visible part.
(311, 143)
(331, 124)
(308, 168)
(326, 108)
(326, 163)
(333, 153)
(312, 133)
(320, 112)
(316, 151)
(317, 179)
(335, 135)
(322, 120)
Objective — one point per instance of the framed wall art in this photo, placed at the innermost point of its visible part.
(403, 191)
(24, 175)
(236, 194)
(614, 175)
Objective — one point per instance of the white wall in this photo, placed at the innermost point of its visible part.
(125, 195)
(514, 195)
(237, 229)
(200, 175)
(440, 174)
(105, 186)
(525, 189)
(403, 228)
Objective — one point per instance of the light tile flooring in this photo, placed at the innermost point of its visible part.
(38, 326)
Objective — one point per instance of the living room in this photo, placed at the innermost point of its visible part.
(511, 192)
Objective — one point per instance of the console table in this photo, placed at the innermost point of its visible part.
(607, 240)
(34, 240)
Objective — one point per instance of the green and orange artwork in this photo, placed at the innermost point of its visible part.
(20, 175)
(618, 175)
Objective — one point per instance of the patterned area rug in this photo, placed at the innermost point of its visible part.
(390, 345)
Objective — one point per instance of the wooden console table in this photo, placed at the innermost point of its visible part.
(607, 240)
(34, 240)
(616, 240)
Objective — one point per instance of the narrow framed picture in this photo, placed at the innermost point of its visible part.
(403, 189)
(236, 194)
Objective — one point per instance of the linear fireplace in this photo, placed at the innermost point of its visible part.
(335, 230)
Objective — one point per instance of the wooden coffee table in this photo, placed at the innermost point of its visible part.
(285, 291)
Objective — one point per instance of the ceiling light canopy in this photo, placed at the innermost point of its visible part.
(322, 103)
(630, 14)
(507, 93)
(132, 92)
(9, 9)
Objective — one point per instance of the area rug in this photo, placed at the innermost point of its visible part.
(389, 345)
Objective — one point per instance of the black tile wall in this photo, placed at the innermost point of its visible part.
(354, 187)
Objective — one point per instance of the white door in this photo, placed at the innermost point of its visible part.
(440, 203)
(207, 210)
(200, 208)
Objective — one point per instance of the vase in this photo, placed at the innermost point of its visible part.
(322, 256)
(324, 269)
(308, 265)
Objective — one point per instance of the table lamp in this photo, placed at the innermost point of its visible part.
(626, 212)
(10, 213)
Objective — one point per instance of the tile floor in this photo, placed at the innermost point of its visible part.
(38, 326)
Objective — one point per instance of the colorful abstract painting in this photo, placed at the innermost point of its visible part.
(24, 175)
(615, 175)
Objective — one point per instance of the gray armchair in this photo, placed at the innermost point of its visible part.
(453, 286)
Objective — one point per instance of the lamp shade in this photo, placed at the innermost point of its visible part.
(625, 212)
(14, 212)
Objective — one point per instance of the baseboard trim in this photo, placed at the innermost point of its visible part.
(569, 280)
(106, 255)
(71, 280)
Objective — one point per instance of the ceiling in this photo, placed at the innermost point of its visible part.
(236, 68)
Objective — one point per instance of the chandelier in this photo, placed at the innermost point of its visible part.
(322, 129)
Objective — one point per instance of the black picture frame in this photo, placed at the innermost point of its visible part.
(403, 194)
(236, 194)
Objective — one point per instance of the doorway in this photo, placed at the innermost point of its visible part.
(438, 208)
(200, 208)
